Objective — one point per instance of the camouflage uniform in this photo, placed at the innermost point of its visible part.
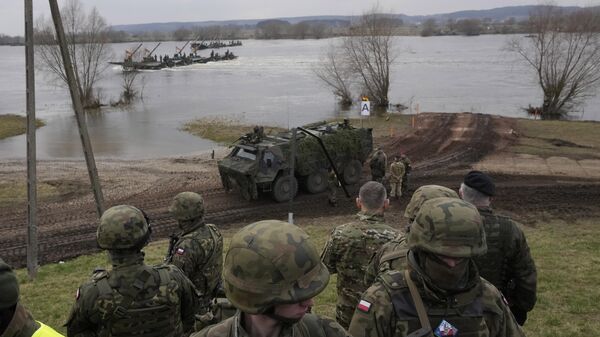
(132, 299)
(348, 252)
(332, 184)
(15, 320)
(269, 263)
(508, 264)
(466, 306)
(397, 170)
(378, 165)
(407, 168)
(198, 249)
(392, 256)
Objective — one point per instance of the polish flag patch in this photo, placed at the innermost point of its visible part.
(179, 251)
(364, 306)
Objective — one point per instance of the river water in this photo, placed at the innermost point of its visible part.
(270, 83)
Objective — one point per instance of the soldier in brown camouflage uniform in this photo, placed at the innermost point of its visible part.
(392, 256)
(271, 273)
(197, 249)
(508, 263)
(440, 293)
(132, 299)
(351, 246)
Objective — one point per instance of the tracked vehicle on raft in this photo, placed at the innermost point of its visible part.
(263, 163)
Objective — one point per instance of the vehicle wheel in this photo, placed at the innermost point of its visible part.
(316, 182)
(352, 172)
(284, 188)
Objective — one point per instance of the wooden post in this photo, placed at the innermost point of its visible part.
(292, 168)
(32, 237)
(78, 107)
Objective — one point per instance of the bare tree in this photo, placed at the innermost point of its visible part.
(87, 37)
(335, 72)
(369, 49)
(564, 51)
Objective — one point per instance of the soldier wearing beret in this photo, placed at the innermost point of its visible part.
(508, 263)
(15, 320)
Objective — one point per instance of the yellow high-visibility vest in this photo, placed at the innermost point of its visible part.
(45, 331)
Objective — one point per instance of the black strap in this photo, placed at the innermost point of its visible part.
(421, 311)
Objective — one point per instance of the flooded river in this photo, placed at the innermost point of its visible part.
(270, 83)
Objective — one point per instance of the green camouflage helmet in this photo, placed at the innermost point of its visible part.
(272, 262)
(187, 206)
(424, 193)
(122, 227)
(448, 226)
(9, 286)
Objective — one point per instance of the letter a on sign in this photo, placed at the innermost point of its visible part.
(365, 108)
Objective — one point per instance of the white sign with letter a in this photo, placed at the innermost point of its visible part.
(365, 108)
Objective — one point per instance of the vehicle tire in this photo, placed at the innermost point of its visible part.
(316, 182)
(352, 172)
(284, 188)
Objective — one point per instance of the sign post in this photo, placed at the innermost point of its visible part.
(365, 108)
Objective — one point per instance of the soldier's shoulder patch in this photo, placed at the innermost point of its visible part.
(364, 306)
(179, 251)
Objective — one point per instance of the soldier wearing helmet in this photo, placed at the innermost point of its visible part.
(440, 292)
(508, 264)
(15, 320)
(197, 249)
(392, 255)
(132, 299)
(271, 273)
(351, 245)
(378, 164)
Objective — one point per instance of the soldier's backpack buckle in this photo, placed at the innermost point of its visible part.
(120, 312)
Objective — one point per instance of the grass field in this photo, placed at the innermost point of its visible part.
(567, 256)
(13, 125)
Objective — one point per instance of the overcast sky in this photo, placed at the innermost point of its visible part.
(144, 11)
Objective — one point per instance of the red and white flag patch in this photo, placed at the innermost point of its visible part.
(364, 306)
(179, 251)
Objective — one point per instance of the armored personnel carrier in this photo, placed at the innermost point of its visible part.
(262, 163)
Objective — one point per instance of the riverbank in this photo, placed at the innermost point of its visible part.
(13, 125)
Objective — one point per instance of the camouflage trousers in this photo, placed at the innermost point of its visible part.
(396, 189)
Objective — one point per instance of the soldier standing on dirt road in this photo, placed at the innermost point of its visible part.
(197, 249)
(378, 165)
(271, 274)
(15, 320)
(508, 263)
(350, 247)
(440, 293)
(132, 299)
(397, 170)
(407, 168)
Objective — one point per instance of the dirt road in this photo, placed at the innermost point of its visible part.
(442, 147)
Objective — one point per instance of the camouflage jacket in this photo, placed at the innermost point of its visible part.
(378, 163)
(348, 252)
(397, 170)
(134, 299)
(22, 324)
(391, 256)
(508, 264)
(387, 310)
(199, 254)
(309, 326)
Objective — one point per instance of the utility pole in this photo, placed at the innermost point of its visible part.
(292, 168)
(32, 238)
(78, 107)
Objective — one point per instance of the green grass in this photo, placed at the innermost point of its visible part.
(220, 130)
(566, 254)
(536, 136)
(13, 125)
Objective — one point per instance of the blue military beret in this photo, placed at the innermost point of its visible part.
(480, 182)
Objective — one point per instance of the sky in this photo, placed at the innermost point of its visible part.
(119, 12)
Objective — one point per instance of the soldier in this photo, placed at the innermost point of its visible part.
(440, 293)
(392, 255)
(352, 245)
(15, 320)
(132, 299)
(271, 274)
(378, 164)
(197, 249)
(407, 168)
(332, 186)
(508, 263)
(397, 171)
